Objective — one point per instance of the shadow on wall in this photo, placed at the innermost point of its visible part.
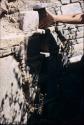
(61, 84)
(46, 43)
(41, 42)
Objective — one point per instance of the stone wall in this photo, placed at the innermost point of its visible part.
(13, 77)
(74, 34)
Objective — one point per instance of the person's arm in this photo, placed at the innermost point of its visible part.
(47, 19)
(71, 19)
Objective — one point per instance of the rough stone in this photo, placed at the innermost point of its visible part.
(82, 5)
(12, 7)
(11, 40)
(29, 21)
(78, 49)
(73, 35)
(3, 9)
(81, 40)
(80, 34)
(10, 91)
(65, 1)
(81, 28)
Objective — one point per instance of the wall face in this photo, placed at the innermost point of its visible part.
(11, 95)
(72, 33)
(68, 36)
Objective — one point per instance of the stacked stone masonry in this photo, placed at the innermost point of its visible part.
(72, 33)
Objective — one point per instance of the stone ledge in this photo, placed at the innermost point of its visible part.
(8, 51)
(11, 40)
(9, 43)
(73, 1)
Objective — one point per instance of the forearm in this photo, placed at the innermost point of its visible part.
(71, 19)
(46, 18)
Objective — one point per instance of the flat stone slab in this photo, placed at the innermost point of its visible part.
(11, 40)
(65, 1)
(71, 8)
(75, 59)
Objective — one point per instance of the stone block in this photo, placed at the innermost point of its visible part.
(75, 59)
(67, 27)
(81, 40)
(71, 8)
(76, 41)
(65, 1)
(58, 3)
(66, 32)
(29, 21)
(82, 5)
(80, 28)
(73, 35)
(51, 9)
(74, 1)
(80, 34)
(78, 49)
(11, 39)
(59, 12)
